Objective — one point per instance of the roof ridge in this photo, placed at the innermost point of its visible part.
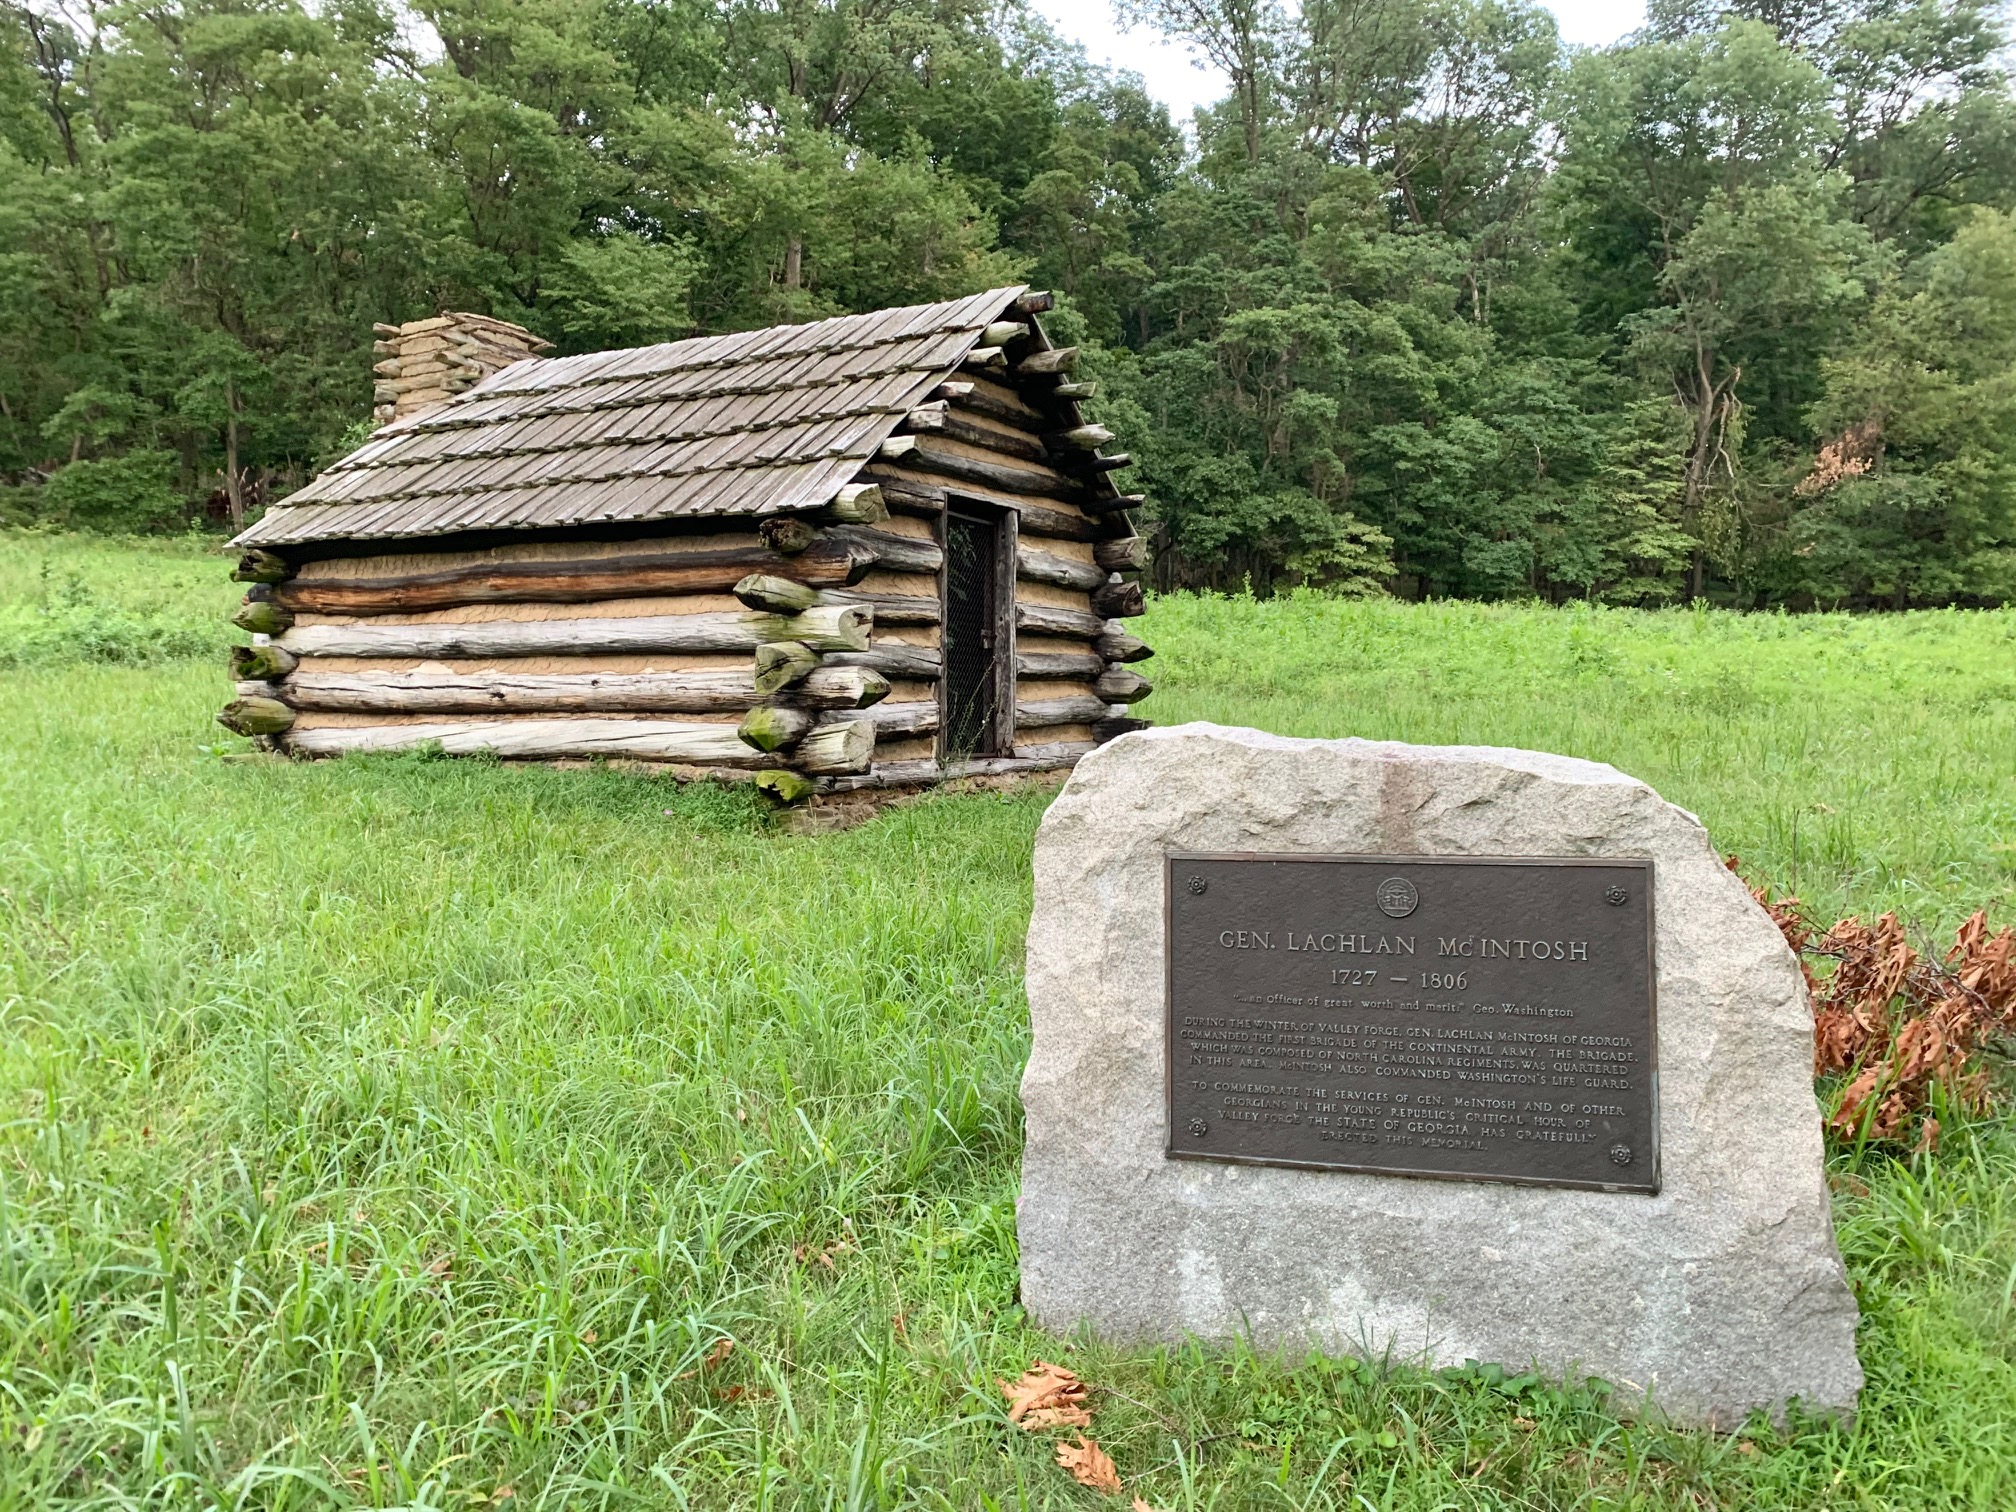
(739, 423)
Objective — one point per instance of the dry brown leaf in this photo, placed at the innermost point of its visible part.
(1897, 1025)
(1141, 1505)
(805, 1254)
(1090, 1465)
(710, 1361)
(1047, 1396)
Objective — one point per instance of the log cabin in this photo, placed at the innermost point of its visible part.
(877, 551)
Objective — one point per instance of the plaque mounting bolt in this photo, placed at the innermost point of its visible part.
(1620, 1154)
(1616, 896)
(1199, 1128)
(1197, 884)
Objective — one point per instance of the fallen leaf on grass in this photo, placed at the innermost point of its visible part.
(1090, 1465)
(1141, 1505)
(710, 1361)
(1047, 1396)
(805, 1254)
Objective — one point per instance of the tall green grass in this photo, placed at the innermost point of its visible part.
(1866, 762)
(71, 599)
(407, 1133)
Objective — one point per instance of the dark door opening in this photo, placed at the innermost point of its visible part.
(976, 682)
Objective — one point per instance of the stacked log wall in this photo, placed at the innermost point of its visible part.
(751, 645)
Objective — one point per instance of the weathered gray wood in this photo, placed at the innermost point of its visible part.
(771, 728)
(893, 552)
(915, 451)
(1119, 601)
(430, 690)
(911, 663)
(837, 627)
(1118, 685)
(1080, 438)
(257, 715)
(262, 616)
(1058, 524)
(786, 786)
(261, 567)
(543, 740)
(1041, 619)
(986, 359)
(1042, 364)
(1076, 391)
(787, 534)
(1036, 301)
(822, 562)
(891, 608)
(911, 496)
(918, 717)
(941, 422)
(846, 745)
(781, 663)
(264, 663)
(1047, 567)
(1010, 411)
(1027, 760)
(775, 595)
(258, 687)
(1116, 645)
(829, 687)
(1079, 664)
(1105, 464)
(951, 389)
(1002, 332)
(857, 504)
(1077, 708)
(1127, 554)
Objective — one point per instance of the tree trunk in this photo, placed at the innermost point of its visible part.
(234, 482)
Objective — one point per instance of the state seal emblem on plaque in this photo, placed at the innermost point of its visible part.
(1397, 897)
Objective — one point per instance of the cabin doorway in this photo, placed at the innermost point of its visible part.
(976, 686)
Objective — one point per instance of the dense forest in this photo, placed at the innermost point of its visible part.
(1428, 303)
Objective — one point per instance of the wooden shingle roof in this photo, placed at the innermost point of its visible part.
(750, 423)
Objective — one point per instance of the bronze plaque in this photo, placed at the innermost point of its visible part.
(1482, 1020)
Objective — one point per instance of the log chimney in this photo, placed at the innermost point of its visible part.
(424, 362)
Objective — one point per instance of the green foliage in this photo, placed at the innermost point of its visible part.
(66, 601)
(390, 1132)
(1430, 304)
(129, 491)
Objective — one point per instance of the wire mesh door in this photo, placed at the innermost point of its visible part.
(971, 686)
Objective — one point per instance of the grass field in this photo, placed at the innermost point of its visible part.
(410, 1133)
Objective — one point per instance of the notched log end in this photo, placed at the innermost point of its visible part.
(785, 786)
(256, 716)
(261, 567)
(787, 534)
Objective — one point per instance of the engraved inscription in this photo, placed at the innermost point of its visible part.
(1499, 1026)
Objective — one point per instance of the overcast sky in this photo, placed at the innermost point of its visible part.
(1175, 80)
